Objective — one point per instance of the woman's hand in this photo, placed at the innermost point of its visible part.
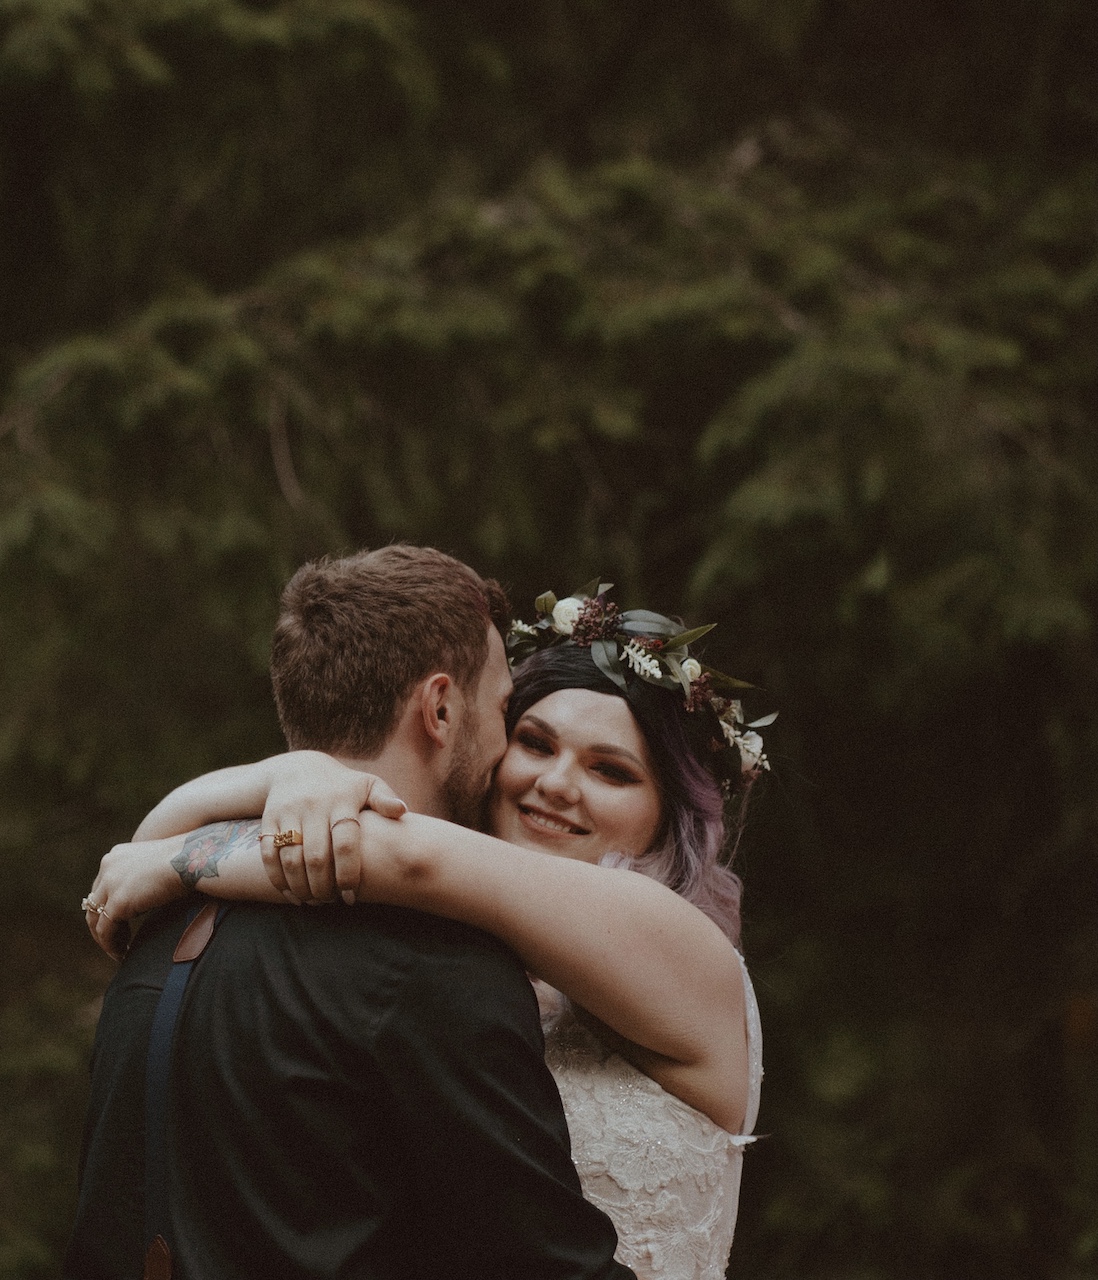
(319, 800)
(132, 879)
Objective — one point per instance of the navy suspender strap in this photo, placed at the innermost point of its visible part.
(201, 923)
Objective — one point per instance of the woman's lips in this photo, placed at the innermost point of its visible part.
(539, 820)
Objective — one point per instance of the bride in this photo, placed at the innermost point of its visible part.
(621, 752)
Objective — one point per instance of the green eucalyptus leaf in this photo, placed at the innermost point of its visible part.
(642, 622)
(546, 602)
(761, 724)
(593, 588)
(689, 637)
(650, 617)
(604, 654)
(725, 684)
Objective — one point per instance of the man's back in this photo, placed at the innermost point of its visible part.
(356, 1092)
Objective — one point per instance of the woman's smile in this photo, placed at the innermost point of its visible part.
(547, 822)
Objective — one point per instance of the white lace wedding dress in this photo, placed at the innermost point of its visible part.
(667, 1176)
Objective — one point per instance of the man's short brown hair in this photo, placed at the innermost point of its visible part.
(356, 634)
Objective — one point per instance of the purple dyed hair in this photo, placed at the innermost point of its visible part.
(693, 848)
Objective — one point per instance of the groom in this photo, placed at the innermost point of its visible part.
(356, 1092)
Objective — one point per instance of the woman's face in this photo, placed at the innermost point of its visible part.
(577, 779)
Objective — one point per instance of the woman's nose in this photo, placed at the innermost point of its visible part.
(558, 782)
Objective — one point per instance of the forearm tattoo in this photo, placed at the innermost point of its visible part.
(205, 848)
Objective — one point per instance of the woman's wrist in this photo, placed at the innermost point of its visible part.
(400, 860)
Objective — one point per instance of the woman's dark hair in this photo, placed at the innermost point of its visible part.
(691, 852)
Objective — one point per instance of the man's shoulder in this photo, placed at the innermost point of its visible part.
(364, 969)
(360, 932)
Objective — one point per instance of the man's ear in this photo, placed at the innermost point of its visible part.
(440, 704)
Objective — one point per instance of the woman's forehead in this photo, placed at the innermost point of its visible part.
(589, 716)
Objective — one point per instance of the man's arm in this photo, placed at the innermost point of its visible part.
(464, 1054)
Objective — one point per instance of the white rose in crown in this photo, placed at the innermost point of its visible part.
(566, 613)
(751, 749)
(691, 669)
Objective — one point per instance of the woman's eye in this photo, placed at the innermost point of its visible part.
(615, 774)
(533, 742)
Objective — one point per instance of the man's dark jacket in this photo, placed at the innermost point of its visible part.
(356, 1092)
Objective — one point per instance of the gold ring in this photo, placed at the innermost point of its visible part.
(339, 820)
(89, 904)
(283, 839)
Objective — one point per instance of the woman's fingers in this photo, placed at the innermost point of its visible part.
(272, 854)
(324, 859)
(316, 853)
(346, 835)
(100, 922)
(347, 855)
(382, 799)
(272, 863)
(112, 934)
(132, 879)
(292, 857)
(108, 926)
(91, 919)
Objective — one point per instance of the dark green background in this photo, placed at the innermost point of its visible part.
(781, 315)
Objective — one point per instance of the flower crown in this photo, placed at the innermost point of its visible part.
(655, 649)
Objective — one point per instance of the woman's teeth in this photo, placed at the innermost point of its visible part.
(551, 824)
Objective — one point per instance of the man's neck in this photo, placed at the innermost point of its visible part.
(405, 773)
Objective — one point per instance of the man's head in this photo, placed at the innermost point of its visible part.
(359, 636)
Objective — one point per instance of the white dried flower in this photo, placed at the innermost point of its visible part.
(642, 663)
(691, 669)
(566, 613)
(750, 745)
(523, 628)
(751, 751)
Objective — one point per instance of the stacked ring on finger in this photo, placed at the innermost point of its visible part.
(283, 839)
(89, 904)
(335, 824)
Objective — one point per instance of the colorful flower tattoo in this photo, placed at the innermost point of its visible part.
(205, 848)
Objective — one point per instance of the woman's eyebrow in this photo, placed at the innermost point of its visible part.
(543, 725)
(602, 748)
(609, 749)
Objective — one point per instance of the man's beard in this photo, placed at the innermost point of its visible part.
(465, 787)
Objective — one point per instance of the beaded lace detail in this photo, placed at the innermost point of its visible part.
(667, 1176)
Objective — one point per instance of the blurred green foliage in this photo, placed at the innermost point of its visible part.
(782, 316)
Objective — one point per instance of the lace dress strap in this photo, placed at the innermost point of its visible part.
(754, 1050)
